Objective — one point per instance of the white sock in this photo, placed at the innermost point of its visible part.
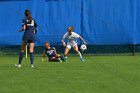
(80, 55)
(66, 57)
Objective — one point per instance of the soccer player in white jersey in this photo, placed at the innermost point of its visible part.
(72, 42)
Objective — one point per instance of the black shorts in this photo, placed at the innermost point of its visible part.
(28, 40)
(52, 59)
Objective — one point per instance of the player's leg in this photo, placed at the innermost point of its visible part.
(21, 55)
(66, 51)
(62, 58)
(53, 59)
(32, 53)
(58, 57)
(78, 52)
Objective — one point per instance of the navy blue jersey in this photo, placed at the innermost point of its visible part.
(50, 52)
(30, 31)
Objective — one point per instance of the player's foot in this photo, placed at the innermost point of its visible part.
(18, 65)
(32, 66)
(65, 59)
(82, 60)
(59, 60)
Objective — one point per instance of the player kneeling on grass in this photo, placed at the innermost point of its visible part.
(52, 54)
(72, 42)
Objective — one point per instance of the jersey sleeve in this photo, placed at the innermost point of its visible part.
(53, 48)
(76, 35)
(23, 22)
(65, 35)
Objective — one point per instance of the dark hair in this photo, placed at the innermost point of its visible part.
(28, 14)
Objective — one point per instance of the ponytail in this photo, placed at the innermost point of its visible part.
(30, 18)
(28, 14)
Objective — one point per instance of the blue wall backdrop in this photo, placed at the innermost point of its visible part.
(100, 22)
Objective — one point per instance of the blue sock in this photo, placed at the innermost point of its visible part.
(21, 55)
(32, 58)
(62, 58)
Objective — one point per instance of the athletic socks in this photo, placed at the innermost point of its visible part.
(65, 58)
(21, 55)
(32, 58)
(80, 55)
(62, 58)
(81, 58)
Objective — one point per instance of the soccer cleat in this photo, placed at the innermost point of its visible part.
(82, 60)
(32, 66)
(19, 65)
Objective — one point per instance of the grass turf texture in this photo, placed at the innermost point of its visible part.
(98, 74)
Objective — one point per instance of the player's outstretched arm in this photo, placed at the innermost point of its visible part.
(63, 42)
(23, 28)
(43, 56)
(83, 40)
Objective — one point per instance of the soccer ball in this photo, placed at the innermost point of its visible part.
(83, 47)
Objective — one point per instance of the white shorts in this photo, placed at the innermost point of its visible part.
(69, 44)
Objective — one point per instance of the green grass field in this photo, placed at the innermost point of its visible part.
(98, 74)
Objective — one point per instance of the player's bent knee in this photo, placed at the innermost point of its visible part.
(22, 51)
(31, 51)
(57, 55)
(77, 51)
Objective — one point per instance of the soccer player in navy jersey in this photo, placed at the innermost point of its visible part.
(53, 56)
(29, 27)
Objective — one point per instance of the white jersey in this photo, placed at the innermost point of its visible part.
(71, 38)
